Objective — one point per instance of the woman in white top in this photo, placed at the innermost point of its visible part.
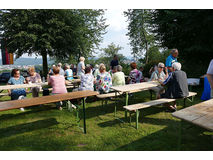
(81, 67)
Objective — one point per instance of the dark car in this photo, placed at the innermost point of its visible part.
(5, 76)
(24, 73)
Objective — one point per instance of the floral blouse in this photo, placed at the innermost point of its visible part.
(103, 82)
(134, 76)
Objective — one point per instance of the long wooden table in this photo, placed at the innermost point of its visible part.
(200, 114)
(15, 104)
(126, 89)
(6, 87)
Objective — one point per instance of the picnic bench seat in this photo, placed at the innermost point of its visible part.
(137, 107)
(22, 103)
(105, 97)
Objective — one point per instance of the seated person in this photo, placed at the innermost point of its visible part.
(118, 78)
(34, 78)
(159, 75)
(68, 72)
(141, 74)
(87, 80)
(114, 70)
(177, 86)
(57, 82)
(18, 93)
(134, 75)
(103, 80)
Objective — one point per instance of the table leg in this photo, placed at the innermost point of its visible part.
(115, 103)
(127, 99)
(84, 115)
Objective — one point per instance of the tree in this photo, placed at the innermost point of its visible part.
(57, 33)
(190, 31)
(109, 52)
(140, 35)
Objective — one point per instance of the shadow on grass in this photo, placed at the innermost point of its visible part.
(29, 110)
(175, 136)
(27, 127)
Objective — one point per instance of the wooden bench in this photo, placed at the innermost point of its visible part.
(107, 96)
(16, 104)
(137, 107)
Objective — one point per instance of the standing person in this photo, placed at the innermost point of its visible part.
(159, 75)
(103, 80)
(81, 67)
(118, 78)
(87, 80)
(134, 75)
(57, 82)
(68, 72)
(61, 71)
(171, 59)
(209, 75)
(34, 78)
(16, 78)
(114, 62)
(177, 86)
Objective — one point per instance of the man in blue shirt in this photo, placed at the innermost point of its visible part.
(171, 59)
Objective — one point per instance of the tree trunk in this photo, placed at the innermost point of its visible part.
(45, 64)
(147, 56)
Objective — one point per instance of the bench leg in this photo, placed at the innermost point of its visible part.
(115, 110)
(137, 116)
(84, 115)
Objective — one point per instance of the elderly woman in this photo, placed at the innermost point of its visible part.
(81, 67)
(103, 80)
(34, 78)
(177, 86)
(134, 75)
(16, 78)
(68, 72)
(159, 75)
(87, 80)
(57, 82)
(118, 78)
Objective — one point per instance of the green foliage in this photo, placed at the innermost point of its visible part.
(140, 35)
(62, 34)
(190, 31)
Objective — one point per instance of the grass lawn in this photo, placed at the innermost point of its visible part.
(46, 128)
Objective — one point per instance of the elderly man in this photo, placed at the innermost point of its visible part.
(177, 84)
(209, 75)
(159, 75)
(171, 59)
(61, 72)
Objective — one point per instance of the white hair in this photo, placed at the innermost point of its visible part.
(176, 66)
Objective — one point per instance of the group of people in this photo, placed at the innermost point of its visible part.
(101, 80)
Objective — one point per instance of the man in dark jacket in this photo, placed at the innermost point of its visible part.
(177, 86)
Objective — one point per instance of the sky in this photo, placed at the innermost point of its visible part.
(116, 31)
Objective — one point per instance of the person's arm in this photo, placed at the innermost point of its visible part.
(49, 80)
(167, 80)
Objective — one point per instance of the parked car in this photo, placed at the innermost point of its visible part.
(5, 76)
(24, 73)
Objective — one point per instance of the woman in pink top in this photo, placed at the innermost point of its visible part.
(57, 82)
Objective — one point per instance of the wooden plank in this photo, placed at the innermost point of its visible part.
(200, 114)
(148, 104)
(44, 100)
(137, 86)
(6, 87)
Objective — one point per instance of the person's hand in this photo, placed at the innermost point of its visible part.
(166, 69)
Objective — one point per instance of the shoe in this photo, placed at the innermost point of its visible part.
(60, 108)
(22, 109)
